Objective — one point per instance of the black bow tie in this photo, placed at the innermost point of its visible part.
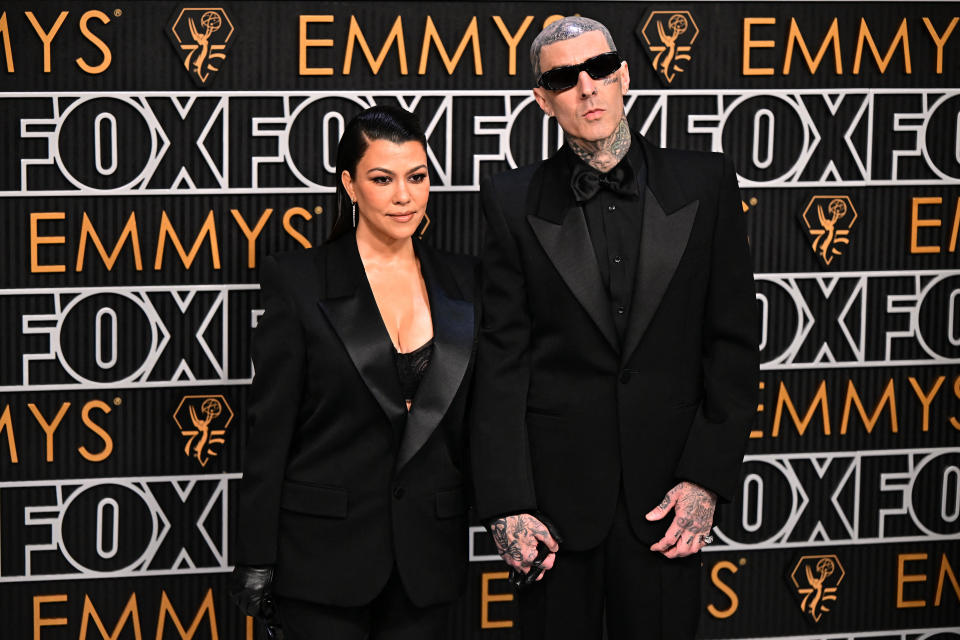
(586, 181)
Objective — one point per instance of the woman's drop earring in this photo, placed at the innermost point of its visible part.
(426, 223)
(353, 207)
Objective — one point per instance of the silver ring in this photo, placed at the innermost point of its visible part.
(706, 539)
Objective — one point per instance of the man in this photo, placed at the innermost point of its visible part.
(617, 362)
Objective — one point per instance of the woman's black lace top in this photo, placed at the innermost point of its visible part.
(411, 368)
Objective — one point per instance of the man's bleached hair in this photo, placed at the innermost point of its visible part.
(564, 29)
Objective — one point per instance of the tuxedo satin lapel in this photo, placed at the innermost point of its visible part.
(453, 324)
(561, 229)
(350, 307)
(663, 240)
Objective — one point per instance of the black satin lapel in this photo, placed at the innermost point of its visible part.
(663, 240)
(569, 249)
(452, 345)
(356, 320)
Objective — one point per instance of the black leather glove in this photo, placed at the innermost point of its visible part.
(250, 590)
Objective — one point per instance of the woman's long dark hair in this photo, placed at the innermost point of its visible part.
(380, 122)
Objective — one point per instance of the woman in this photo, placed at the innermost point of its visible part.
(352, 510)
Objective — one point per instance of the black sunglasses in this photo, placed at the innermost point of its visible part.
(562, 78)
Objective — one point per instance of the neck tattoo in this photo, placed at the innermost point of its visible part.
(603, 155)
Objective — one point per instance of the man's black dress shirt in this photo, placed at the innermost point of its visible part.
(614, 221)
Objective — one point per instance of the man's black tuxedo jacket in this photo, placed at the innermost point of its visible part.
(339, 481)
(565, 412)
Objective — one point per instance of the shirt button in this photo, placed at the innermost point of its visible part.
(398, 492)
(612, 207)
(620, 311)
(618, 260)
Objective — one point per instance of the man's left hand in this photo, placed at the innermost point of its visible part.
(693, 508)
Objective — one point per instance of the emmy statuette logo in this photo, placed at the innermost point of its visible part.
(201, 35)
(668, 37)
(816, 579)
(828, 221)
(203, 422)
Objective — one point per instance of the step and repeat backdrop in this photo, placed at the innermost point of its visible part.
(153, 153)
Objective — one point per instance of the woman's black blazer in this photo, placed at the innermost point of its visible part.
(340, 482)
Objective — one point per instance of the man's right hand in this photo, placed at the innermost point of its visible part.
(516, 538)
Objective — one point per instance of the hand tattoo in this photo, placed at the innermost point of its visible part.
(515, 534)
(507, 545)
(694, 508)
(603, 155)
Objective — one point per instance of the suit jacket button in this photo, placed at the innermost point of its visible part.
(625, 377)
(398, 492)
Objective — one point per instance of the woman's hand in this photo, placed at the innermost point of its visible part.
(250, 590)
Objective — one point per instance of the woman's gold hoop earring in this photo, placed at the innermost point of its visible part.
(426, 223)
